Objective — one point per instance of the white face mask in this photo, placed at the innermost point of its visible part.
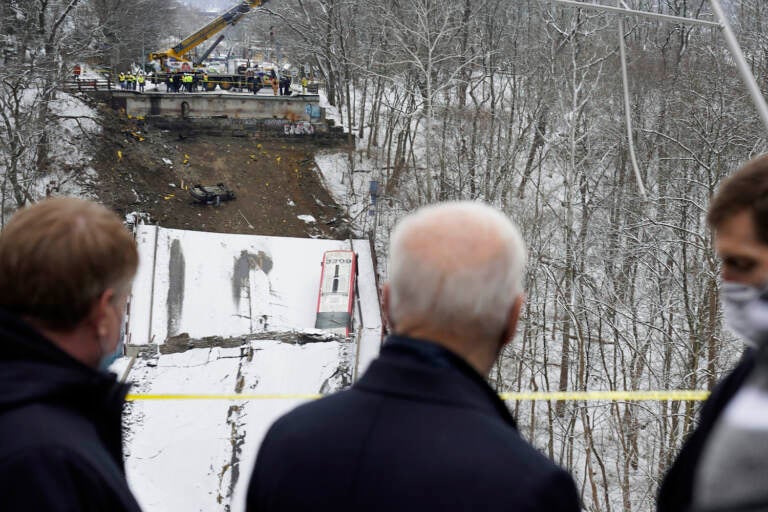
(746, 311)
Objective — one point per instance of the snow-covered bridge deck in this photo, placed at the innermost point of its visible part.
(212, 284)
(198, 454)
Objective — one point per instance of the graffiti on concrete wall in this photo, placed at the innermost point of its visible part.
(300, 128)
(275, 123)
(313, 111)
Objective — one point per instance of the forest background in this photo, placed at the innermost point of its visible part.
(520, 104)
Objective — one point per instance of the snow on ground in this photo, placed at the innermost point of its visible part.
(333, 169)
(70, 136)
(309, 219)
(349, 188)
(370, 326)
(331, 112)
(198, 454)
(70, 148)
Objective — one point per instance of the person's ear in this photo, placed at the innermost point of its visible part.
(385, 303)
(100, 311)
(513, 317)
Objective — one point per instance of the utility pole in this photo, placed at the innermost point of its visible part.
(741, 63)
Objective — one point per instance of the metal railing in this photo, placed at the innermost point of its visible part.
(90, 84)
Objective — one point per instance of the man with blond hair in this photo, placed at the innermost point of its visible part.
(422, 429)
(66, 267)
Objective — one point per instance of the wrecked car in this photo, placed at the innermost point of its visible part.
(212, 194)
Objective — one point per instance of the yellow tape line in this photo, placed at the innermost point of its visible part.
(634, 396)
(242, 396)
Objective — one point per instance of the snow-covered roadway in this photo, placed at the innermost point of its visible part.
(213, 284)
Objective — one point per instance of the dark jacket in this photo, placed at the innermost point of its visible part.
(60, 429)
(420, 431)
(676, 490)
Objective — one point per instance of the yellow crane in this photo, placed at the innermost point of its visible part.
(230, 17)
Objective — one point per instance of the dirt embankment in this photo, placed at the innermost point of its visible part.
(146, 169)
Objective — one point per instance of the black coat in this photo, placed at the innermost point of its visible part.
(676, 490)
(60, 429)
(420, 431)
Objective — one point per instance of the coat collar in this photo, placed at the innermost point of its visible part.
(425, 371)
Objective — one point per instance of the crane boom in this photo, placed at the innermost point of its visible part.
(221, 22)
(210, 49)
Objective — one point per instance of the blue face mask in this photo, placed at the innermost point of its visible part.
(110, 357)
(107, 359)
(746, 311)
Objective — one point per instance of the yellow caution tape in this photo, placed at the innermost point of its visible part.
(635, 396)
(592, 396)
(242, 396)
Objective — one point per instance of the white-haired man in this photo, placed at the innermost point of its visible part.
(422, 430)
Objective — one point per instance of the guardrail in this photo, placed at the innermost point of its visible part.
(90, 84)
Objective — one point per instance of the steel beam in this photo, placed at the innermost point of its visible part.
(621, 10)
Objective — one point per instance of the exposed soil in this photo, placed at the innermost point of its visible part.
(146, 169)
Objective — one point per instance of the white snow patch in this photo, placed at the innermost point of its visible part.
(331, 112)
(333, 167)
(309, 219)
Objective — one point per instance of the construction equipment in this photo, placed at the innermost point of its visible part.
(180, 52)
(207, 52)
(230, 17)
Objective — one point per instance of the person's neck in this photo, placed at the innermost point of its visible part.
(475, 352)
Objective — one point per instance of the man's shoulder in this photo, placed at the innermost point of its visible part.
(725, 390)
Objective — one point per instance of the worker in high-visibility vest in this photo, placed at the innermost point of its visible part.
(205, 81)
(121, 79)
(187, 81)
(140, 80)
(131, 79)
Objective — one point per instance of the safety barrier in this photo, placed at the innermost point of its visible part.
(572, 396)
(90, 84)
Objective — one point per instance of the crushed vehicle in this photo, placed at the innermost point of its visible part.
(214, 194)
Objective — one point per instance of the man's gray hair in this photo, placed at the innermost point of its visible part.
(457, 266)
